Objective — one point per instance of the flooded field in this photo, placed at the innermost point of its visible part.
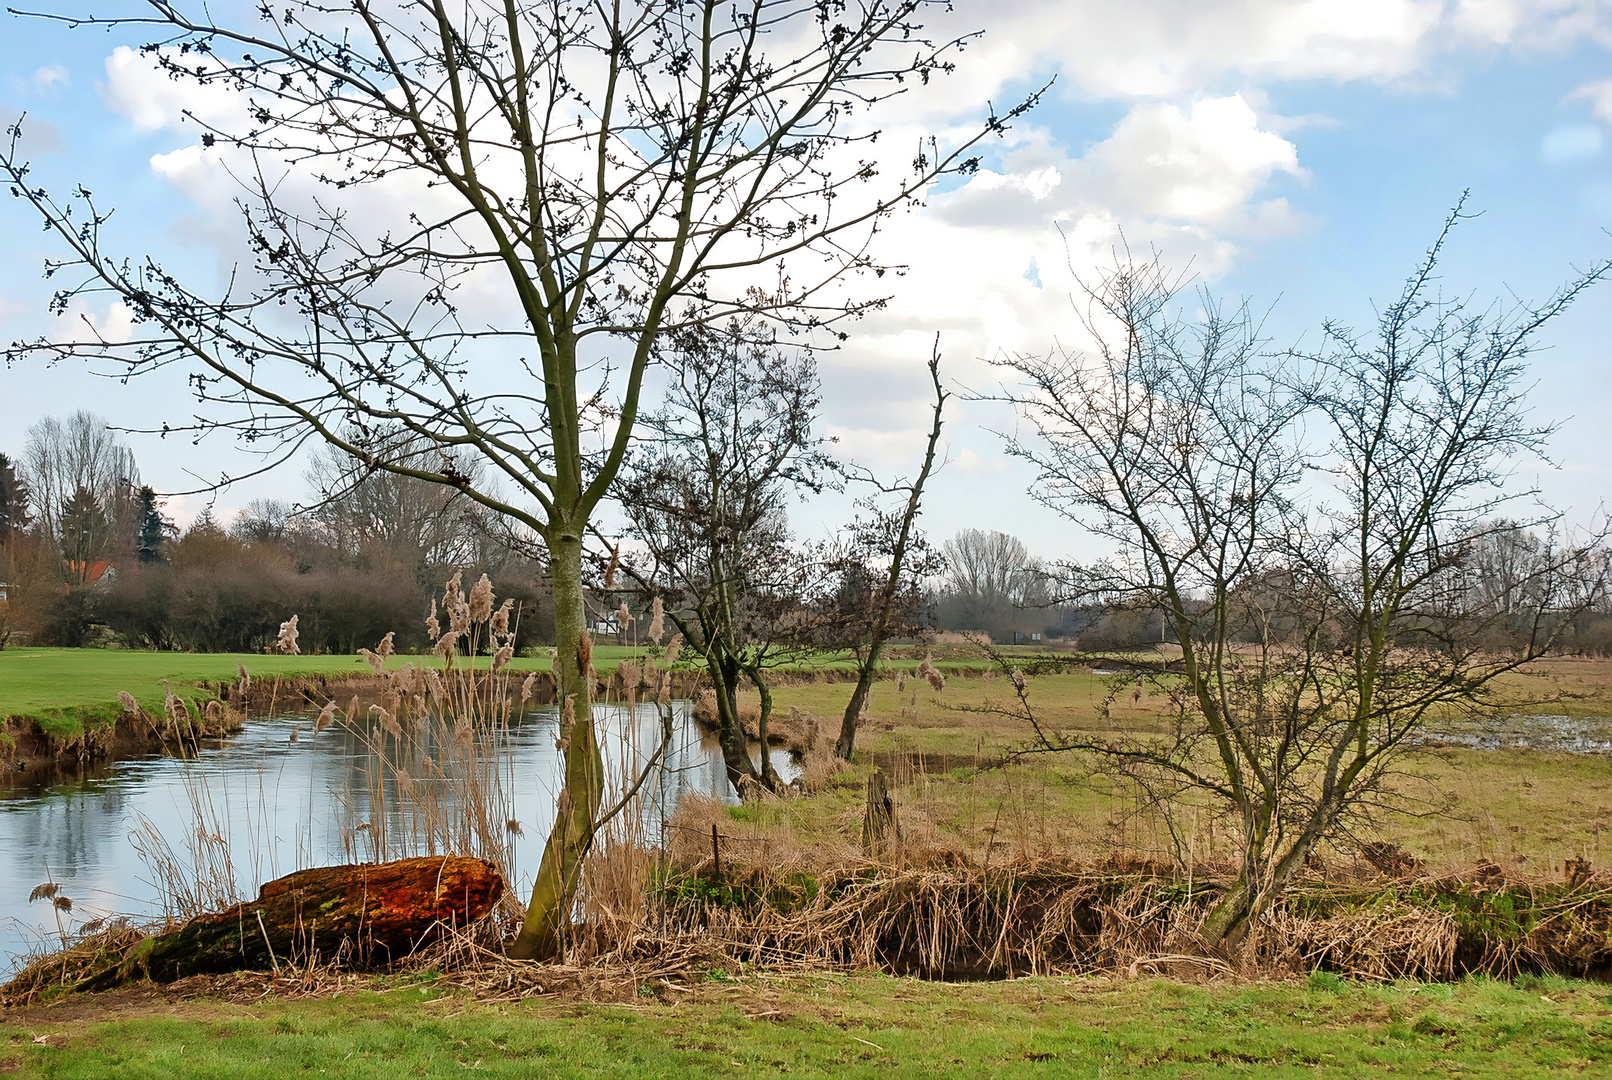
(1545, 733)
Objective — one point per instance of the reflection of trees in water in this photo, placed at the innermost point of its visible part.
(67, 832)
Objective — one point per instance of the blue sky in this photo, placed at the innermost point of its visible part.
(1297, 153)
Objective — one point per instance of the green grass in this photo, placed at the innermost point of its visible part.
(68, 690)
(845, 1026)
(1528, 810)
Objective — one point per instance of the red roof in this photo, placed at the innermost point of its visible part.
(89, 573)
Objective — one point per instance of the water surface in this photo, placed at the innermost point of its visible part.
(260, 805)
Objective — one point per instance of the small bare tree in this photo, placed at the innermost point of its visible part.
(1315, 588)
(881, 567)
(597, 176)
(706, 498)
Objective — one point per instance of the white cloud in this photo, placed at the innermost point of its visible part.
(1599, 95)
(42, 81)
(1173, 49)
(1531, 23)
(138, 89)
(1201, 166)
(48, 78)
(969, 460)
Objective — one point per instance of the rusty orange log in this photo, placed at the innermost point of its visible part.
(353, 914)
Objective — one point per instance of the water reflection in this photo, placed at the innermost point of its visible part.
(272, 805)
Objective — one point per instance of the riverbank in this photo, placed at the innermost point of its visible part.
(1522, 824)
(62, 705)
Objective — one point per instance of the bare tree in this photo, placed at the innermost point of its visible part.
(881, 570)
(990, 578)
(602, 174)
(706, 498)
(1503, 562)
(80, 456)
(397, 519)
(1311, 585)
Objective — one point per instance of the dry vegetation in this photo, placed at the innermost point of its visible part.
(947, 753)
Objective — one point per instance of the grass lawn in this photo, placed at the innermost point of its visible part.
(35, 681)
(67, 689)
(844, 1026)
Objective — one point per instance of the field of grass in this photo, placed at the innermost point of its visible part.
(66, 689)
(843, 1026)
(1526, 809)
(1523, 808)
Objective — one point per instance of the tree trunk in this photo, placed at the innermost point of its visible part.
(358, 913)
(554, 891)
(867, 672)
(730, 732)
(769, 775)
(879, 630)
(880, 830)
(1229, 919)
(1227, 922)
(1254, 891)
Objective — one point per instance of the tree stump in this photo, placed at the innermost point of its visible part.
(352, 914)
(880, 830)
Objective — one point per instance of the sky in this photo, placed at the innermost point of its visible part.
(1299, 154)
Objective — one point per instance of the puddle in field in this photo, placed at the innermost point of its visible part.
(280, 805)
(1544, 733)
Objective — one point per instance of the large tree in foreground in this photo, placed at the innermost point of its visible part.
(1306, 525)
(472, 222)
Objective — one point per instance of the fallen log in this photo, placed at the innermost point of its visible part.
(347, 914)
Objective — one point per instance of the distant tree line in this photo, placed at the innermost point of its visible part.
(991, 586)
(88, 557)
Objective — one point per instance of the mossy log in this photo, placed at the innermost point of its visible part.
(348, 914)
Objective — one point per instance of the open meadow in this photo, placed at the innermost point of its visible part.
(1513, 788)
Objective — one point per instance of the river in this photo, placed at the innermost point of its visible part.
(263, 804)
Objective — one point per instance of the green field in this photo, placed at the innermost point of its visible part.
(65, 689)
(843, 1026)
(36, 680)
